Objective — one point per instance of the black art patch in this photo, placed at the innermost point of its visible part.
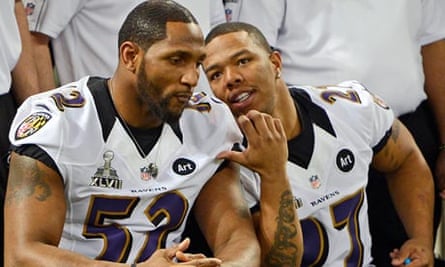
(345, 160)
(183, 166)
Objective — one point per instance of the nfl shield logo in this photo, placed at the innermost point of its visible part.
(315, 181)
(29, 8)
(145, 173)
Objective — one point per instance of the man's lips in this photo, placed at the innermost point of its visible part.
(240, 97)
(183, 97)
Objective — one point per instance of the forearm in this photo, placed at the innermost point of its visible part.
(42, 56)
(39, 254)
(239, 255)
(24, 74)
(434, 69)
(232, 237)
(279, 230)
(412, 191)
(225, 220)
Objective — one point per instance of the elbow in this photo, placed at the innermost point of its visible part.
(30, 254)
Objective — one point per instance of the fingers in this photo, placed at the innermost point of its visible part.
(412, 257)
(183, 246)
(255, 123)
(231, 155)
(193, 259)
(181, 256)
(175, 256)
(204, 262)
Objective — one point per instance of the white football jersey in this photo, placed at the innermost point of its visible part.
(84, 33)
(328, 167)
(328, 41)
(11, 45)
(117, 209)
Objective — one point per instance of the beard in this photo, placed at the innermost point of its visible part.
(151, 95)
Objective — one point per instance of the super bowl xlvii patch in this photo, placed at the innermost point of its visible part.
(106, 176)
(32, 124)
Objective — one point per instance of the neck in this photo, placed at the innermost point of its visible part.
(287, 112)
(129, 107)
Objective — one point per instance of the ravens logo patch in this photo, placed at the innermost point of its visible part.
(32, 124)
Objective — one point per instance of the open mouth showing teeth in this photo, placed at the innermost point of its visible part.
(241, 97)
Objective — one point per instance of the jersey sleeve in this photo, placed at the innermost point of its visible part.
(59, 122)
(50, 17)
(433, 21)
(374, 117)
(208, 125)
(250, 182)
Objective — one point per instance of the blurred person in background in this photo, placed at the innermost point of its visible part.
(72, 39)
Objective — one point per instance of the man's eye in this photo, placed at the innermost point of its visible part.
(243, 61)
(215, 76)
(176, 60)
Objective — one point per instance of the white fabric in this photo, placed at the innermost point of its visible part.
(374, 41)
(85, 32)
(152, 210)
(217, 13)
(338, 206)
(10, 44)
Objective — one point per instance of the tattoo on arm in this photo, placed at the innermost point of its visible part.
(27, 181)
(395, 131)
(284, 251)
(392, 158)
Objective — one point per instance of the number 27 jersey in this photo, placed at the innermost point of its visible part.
(342, 127)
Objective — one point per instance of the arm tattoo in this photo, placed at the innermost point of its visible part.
(283, 251)
(393, 159)
(395, 131)
(27, 181)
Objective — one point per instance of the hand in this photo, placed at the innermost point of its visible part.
(418, 254)
(166, 258)
(266, 152)
(440, 173)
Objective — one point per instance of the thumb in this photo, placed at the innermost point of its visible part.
(234, 156)
(171, 252)
(184, 245)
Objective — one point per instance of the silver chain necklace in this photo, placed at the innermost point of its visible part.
(151, 170)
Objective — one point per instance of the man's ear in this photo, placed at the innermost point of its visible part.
(130, 54)
(275, 59)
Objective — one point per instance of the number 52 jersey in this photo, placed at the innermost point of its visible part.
(122, 205)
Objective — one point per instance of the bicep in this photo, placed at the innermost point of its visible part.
(35, 203)
(399, 149)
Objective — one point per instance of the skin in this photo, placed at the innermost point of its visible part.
(24, 74)
(283, 246)
(267, 137)
(246, 77)
(43, 59)
(170, 68)
(433, 58)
